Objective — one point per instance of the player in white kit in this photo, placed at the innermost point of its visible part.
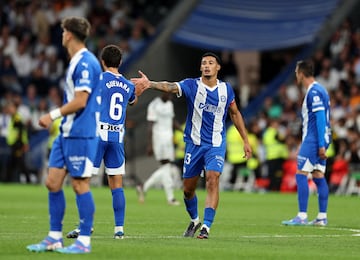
(160, 117)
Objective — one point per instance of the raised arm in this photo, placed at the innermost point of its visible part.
(143, 83)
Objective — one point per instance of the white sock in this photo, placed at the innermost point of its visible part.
(302, 215)
(85, 240)
(204, 226)
(119, 228)
(196, 220)
(321, 215)
(55, 234)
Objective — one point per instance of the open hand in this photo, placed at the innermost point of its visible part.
(141, 84)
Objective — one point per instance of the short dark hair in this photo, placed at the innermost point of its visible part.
(79, 26)
(212, 55)
(111, 55)
(306, 67)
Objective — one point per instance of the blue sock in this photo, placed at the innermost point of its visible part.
(323, 193)
(86, 208)
(209, 214)
(56, 210)
(302, 191)
(118, 200)
(192, 207)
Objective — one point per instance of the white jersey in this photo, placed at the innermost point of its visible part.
(162, 115)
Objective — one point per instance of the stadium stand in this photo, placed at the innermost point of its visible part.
(173, 34)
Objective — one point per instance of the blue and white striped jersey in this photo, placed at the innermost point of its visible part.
(207, 110)
(82, 75)
(116, 93)
(316, 99)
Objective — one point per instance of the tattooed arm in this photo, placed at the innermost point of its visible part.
(144, 83)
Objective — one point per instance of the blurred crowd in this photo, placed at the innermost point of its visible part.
(277, 126)
(32, 64)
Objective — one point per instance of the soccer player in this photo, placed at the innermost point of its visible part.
(160, 117)
(316, 137)
(208, 101)
(73, 151)
(116, 93)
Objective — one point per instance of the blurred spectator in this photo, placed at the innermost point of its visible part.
(23, 62)
(8, 42)
(41, 109)
(8, 76)
(17, 139)
(340, 167)
(31, 100)
(136, 40)
(235, 154)
(276, 152)
(22, 109)
(53, 67)
(54, 97)
(4, 147)
(329, 76)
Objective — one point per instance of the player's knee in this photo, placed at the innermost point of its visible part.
(318, 174)
(52, 186)
(189, 194)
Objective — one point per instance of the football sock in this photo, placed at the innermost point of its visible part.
(167, 181)
(192, 207)
(56, 210)
(302, 192)
(209, 214)
(55, 234)
(321, 215)
(85, 240)
(323, 193)
(196, 220)
(118, 199)
(118, 228)
(86, 208)
(302, 215)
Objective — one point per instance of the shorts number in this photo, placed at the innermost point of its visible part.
(187, 158)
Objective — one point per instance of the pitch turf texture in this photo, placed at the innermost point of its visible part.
(247, 226)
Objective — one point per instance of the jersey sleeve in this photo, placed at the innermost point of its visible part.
(132, 97)
(231, 94)
(184, 87)
(83, 77)
(315, 101)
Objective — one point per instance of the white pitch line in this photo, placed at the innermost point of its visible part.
(352, 230)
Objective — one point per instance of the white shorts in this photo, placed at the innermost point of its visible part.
(164, 149)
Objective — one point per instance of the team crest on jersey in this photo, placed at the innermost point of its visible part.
(223, 98)
(84, 77)
(85, 74)
(316, 101)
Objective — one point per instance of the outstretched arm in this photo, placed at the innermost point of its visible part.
(143, 83)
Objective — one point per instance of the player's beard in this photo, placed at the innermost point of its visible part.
(208, 77)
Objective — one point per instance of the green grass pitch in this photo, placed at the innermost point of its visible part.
(247, 226)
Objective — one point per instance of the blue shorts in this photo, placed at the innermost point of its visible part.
(74, 154)
(198, 158)
(308, 158)
(113, 155)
